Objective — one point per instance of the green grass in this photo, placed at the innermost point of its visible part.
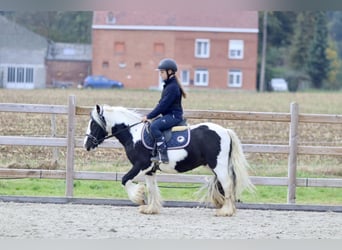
(169, 191)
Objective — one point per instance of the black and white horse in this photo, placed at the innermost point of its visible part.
(210, 145)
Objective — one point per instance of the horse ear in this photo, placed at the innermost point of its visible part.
(98, 108)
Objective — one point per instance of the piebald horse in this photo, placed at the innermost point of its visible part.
(210, 145)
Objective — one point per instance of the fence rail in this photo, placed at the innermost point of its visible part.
(71, 142)
(174, 178)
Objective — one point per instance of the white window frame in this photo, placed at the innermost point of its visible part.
(202, 48)
(235, 78)
(201, 77)
(20, 74)
(185, 77)
(110, 18)
(236, 49)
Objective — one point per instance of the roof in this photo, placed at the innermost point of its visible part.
(216, 14)
(15, 36)
(70, 52)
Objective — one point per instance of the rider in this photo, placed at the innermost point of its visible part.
(169, 107)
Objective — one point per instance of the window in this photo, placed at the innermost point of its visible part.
(202, 48)
(185, 77)
(69, 52)
(236, 48)
(105, 64)
(29, 75)
(137, 65)
(201, 77)
(234, 78)
(20, 75)
(159, 48)
(119, 48)
(11, 74)
(111, 18)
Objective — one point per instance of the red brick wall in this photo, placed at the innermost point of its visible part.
(67, 71)
(136, 67)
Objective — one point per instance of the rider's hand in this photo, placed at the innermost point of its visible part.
(144, 119)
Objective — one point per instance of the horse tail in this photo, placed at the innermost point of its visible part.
(240, 166)
(237, 167)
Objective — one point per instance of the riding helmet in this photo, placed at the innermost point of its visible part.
(167, 64)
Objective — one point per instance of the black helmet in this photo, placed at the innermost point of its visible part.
(167, 64)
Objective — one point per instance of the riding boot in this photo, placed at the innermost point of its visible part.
(161, 152)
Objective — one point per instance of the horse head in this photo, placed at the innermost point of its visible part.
(96, 131)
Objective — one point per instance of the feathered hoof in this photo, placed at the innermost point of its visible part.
(220, 213)
(139, 194)
(147, 209)
(226, 211)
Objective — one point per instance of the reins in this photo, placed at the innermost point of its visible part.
(96, 141)
(121, 130)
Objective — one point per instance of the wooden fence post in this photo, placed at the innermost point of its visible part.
(70, 146)
(53, 134)
(293, 150)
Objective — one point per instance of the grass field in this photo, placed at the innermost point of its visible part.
(115, 160)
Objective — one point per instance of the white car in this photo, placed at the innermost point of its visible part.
(279, 84)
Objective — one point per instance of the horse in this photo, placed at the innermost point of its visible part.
(210, 145)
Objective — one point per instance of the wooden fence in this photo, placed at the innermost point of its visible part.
(71, 142)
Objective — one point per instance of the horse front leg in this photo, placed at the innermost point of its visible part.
(135, 192)
(154, 201)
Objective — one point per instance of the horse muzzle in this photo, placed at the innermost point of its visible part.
(90, 142)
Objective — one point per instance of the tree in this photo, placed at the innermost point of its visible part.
(304, 30)
(318, 63)
(69, 27)
(335, 64)
(280, 27)
(335, 25)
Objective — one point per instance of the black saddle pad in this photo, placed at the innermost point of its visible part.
(177, 137)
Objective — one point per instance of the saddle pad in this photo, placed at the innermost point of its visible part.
(179, 138)
(179, 128)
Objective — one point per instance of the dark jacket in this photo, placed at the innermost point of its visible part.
(170, 101)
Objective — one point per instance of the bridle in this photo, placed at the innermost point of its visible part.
(96, 141)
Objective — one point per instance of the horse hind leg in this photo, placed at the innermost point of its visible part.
(227, 184)
(215, 193)
(154, 201)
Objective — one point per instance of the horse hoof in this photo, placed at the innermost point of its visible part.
(137, 194)
(146, 209)
(223, 215)
(220, 213)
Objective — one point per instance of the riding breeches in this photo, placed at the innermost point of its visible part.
(163, 123)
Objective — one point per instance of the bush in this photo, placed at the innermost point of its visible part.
(292, 83)
(296, 80)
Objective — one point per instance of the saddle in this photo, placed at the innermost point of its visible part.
(176, 137)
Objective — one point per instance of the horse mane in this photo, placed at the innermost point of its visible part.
(115, 115)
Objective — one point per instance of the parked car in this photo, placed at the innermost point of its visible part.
(279, 84)
(61, 85)
(101, 82)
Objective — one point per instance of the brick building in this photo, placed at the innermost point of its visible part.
(215, 49)
(67, 64)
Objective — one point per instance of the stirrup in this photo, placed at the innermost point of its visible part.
(158, 159)
(155, 159)
(164, 159)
